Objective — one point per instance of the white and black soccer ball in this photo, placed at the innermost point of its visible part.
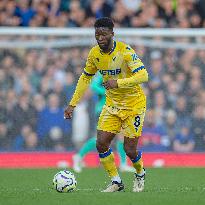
(64, 181)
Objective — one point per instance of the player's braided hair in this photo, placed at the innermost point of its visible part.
(104, 22)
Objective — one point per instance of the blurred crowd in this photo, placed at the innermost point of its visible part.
(36, 84)
(82, 13)
(34, 93)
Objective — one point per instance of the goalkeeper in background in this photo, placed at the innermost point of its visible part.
(90, 144)
(125, 105)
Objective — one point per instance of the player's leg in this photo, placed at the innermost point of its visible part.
(132, 128)
(107, 160)
(108, 126)
(130, 146)
(123, 167)
(87, 147)
(121, 151)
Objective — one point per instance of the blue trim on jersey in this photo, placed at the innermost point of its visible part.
(105, 154)
(137, 69)
(88, 74)
(138, 157)
(113, 47)
(128, 48)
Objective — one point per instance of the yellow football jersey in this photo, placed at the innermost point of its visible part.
(121, 62)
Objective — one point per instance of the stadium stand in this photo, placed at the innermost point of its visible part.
(32, 91)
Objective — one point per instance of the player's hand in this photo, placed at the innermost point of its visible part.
(68, 112)
(110, 84)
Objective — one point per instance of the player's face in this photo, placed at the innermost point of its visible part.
(104, 38)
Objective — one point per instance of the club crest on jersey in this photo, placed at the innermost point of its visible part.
(111, 72)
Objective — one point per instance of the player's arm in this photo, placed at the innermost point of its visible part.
(137, 68)
(139, 77)
(82, 85)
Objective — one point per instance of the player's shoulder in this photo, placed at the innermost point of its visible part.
(94, 50)
(123, 46)
(126, 50)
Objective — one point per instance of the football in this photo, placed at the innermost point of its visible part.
(64, 181)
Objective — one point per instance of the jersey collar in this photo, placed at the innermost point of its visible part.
(113, 48)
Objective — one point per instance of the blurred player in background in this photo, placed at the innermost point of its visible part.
(125, 106)
(90, 144)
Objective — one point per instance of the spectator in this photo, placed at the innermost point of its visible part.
(173, 93)
(120, 15)
(198, 122)
(24, 12)
(154, 137)
(195, 20)
(8, 17)
(58, 89)
(23, 113)
(38, 103)
(171, 126)
(10, 102)
(200, 7)
(156, 70)
(181, 81)
(166, 11)
(31, 142)
(184, 141)
(52, 116)
(3, 111)
(132, 6)
(182, 111)
(98, 9)
(160, 107)
(7, 79)
(69, 86)
(193, 88)
(200, 61)
(4, 139)
(201, 99)
(55, 140)
(76, 14)
(27, 140)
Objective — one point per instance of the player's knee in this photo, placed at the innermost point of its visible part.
(101, 145)
(130, 151)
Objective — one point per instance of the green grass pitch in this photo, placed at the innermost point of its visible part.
(164, 186)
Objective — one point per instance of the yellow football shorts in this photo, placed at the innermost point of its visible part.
(129, 122)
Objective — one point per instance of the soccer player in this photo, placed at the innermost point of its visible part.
(90, 144)
(125, 106)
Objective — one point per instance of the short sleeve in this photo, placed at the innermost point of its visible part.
(90, 68)
(133, 61)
